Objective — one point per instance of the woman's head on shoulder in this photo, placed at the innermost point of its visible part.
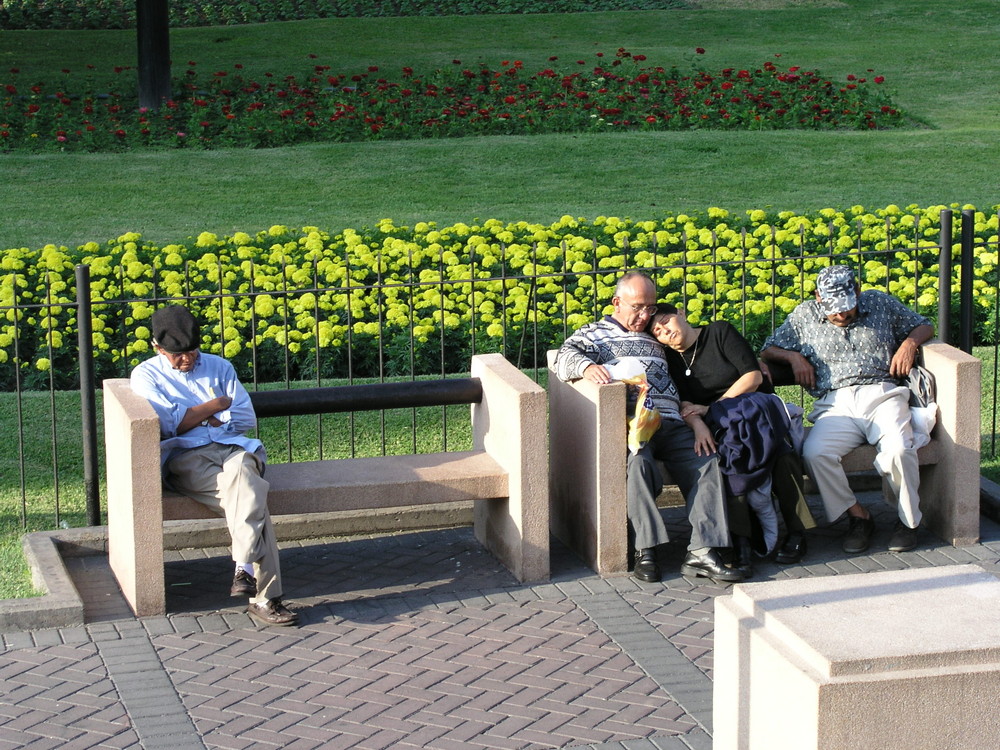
(670, 327)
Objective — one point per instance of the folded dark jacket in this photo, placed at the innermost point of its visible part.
(750, 431)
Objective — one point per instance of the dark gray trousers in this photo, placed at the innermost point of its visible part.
(698, 478)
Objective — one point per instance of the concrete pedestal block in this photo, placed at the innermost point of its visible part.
(907, 659)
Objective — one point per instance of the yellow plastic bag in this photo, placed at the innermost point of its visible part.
(646, 421)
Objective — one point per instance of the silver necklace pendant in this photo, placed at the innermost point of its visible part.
(694, 354)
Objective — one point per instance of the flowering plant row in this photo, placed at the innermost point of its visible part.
(120, 14)
(398, 300)
(228, 109)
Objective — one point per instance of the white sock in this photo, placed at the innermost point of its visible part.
(700, 551)
(247, 568)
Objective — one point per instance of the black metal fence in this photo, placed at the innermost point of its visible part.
(528, 313)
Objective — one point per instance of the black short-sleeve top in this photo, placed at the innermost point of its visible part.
(718, 359)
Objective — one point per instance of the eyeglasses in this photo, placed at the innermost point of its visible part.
(642, 309)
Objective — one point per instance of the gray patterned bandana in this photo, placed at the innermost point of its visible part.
(837, 292)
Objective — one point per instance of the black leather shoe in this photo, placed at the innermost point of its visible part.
(244, 584)
(710, 565)
(793, 549)
(273, 613)
(903, 539)
(859, 535)
(646, 568)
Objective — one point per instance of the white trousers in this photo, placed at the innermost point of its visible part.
(848, 417)
(228, 480)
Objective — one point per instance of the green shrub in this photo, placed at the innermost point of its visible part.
(398, 300)
(120, 14)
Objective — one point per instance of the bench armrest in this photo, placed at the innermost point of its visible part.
(587, 445)
(135, 508)
(950, 491)
(510, 425)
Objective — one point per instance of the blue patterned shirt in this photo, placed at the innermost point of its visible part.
(858, 354)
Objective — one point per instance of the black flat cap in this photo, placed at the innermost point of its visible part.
(176, 330)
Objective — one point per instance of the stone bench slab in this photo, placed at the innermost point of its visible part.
(907, 658)
(349, 484)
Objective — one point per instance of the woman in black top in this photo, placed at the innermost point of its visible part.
(712, 363)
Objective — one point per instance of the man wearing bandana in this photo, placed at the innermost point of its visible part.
(850, 349)
(205, 413)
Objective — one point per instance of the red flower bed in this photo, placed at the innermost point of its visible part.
(228, 109)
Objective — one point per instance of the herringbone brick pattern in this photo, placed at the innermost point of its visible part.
(412, 641)
(60, 696)
(510, 675)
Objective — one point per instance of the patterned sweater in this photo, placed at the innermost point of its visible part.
(606, 342)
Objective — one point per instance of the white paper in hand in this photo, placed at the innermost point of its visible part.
(625, 368)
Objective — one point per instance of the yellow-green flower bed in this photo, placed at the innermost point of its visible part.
(359, 301)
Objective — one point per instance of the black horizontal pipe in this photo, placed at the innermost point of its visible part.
(367, 397)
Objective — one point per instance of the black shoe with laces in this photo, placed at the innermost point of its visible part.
(709, 565)
(859, 535)
(903, 538)
(792, 550)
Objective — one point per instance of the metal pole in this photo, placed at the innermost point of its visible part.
(965, 293)
(944, 277)
(88, 405)
(367, 397)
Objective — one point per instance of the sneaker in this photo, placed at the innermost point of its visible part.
(903, 538)
(273, 613)
(244, 584)
(859, 535)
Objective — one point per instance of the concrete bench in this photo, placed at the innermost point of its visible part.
(506, 474)
(903, 658)
(587, 443)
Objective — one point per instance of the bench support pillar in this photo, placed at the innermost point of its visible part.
(135, 508)
(510, 425)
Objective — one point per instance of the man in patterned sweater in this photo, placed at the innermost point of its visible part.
(850, 349)
(617, 339)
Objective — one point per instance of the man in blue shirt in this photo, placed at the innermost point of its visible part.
(850, 349)
(204, 414)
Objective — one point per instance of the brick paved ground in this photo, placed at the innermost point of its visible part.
(412, 641)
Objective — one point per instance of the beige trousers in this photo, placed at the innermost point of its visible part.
(228, 480)
(848, 417)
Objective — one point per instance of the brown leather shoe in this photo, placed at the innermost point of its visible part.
(244, 584)
(273, 613)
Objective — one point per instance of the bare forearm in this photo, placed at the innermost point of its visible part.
(747, 383)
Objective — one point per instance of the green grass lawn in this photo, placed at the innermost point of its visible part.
(924, 50)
